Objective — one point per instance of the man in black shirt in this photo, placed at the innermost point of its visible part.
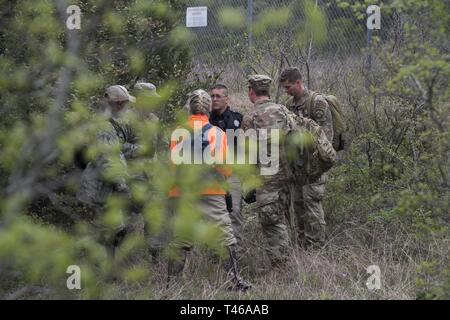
(224, 118)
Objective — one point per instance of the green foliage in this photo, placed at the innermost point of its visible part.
(393, 179)
(395, 174)
(315, 26)
(433, 280)
(55, 80)
(230, 17)
(117, 43)
(272, 18)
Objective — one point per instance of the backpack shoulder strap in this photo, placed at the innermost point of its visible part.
(311, 100)
(118, 129)
(290, 122)
(204, 137)
(206, 127)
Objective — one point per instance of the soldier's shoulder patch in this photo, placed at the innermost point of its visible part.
(320, 99)
(320, 108)
(247, 121)
(319, 113)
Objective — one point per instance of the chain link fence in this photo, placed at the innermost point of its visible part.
(235, 41)
(345, 32)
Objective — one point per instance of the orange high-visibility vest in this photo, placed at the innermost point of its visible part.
(218, 149)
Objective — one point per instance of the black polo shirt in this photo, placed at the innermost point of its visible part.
(227, 120)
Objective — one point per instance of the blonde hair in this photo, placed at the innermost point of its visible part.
(199, 102)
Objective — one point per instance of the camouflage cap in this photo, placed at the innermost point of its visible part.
(147, 86)
(118, 93)
(260, 82)
(199, 102)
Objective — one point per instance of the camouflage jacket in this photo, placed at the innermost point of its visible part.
(269, 115)
(124, 134)
(309, 161)
(320, 111)
(94, 189)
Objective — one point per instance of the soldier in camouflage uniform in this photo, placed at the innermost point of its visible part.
(146, 96)
(307, 199)
(273, 197)
(94, 189)
(146, 101)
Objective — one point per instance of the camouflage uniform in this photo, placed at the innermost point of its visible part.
(94, 189)
(320, 111)
(146, 97)
(307, 199)
(273, 197)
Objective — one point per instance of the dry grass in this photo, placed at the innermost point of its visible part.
(326, 75)
(338, 271)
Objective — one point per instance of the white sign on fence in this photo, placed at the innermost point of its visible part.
(196, 17)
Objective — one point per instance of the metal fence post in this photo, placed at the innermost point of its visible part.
(369, 48)
(249, 30)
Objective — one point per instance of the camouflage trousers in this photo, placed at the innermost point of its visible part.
(273, 207)
(111, 235)
(306, 203)
(236, 215)
(157, 236)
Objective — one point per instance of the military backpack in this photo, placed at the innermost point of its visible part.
(339, 125)
(308, 151)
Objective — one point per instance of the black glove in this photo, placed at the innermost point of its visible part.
(229, 201)
(80, 159)
(250, 197)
